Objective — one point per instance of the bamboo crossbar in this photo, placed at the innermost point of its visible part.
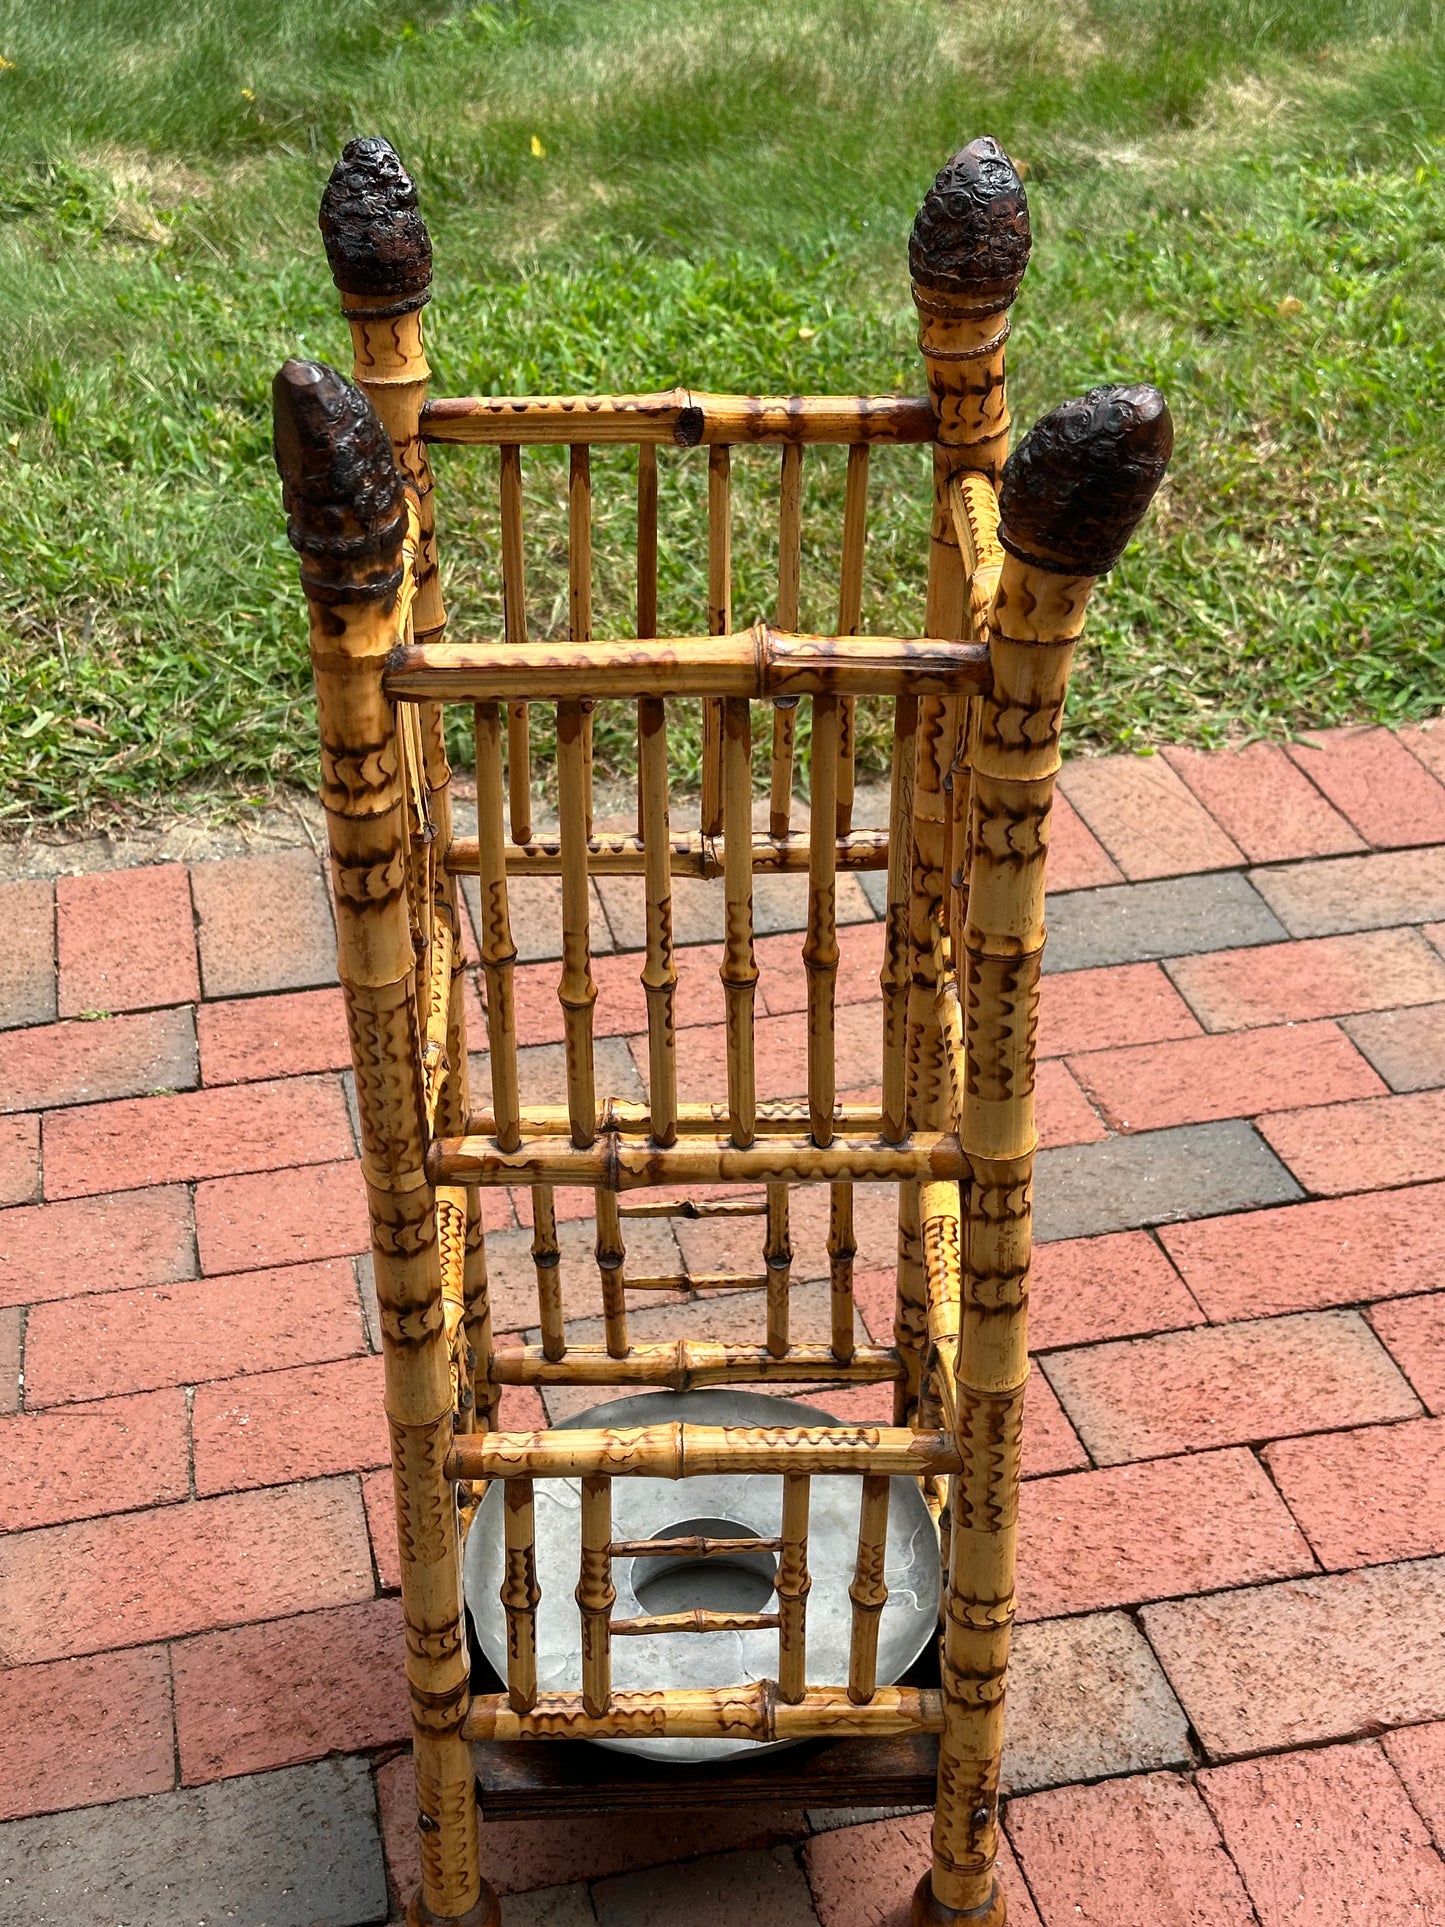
(760, 663)
(689, 854)
(679, 1451)
(698, 1620)
(686, 1363)
(680, 416)
(612, 1164)
(752, 1712)
(780, 1117)
(693, 1546)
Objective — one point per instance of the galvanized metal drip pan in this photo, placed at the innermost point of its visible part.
(742, 1505)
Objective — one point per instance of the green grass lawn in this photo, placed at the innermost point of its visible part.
(1240, 201)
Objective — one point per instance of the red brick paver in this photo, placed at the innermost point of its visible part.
(183, 1334)
(252, 1038)
(79, 1063)
(1256, 794)
(1093, 1010)
(27, 958)
(1085, 1289)
(205, 1134)
(152, 962)
(19, 1159)
(263, 923)
(1288, 983)
(1370, 776)
(1129, 1853)
(1327, 1836)
(1369, 1496)
(1418, 1756)
(1156, 1086)
(1297, 1257)
(1365, 1146)
(282, 1217)
(77, 1732)
(274, 1427)
(113, 1456)
(1136, 1532)
(1188, 1391)
(181, 1569)
(1077, 859)
(103, 1243)
(1414, 1332)
(289, 1690)
(1145, 817)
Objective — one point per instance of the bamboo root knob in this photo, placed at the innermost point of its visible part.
(375, 238)
(345, 506)
(971, 236)
(1076, 487)
(930, 1911)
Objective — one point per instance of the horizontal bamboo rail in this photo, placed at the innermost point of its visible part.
(760, 663)
(685, 1363)
(781, 1117)
(691, 1547)
(679, 1451)
(703, 1713)
(690, 854)
(699, 1620)
(613, 1165)
(679, 416)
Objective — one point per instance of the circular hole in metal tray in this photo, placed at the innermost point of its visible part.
(749, 1505)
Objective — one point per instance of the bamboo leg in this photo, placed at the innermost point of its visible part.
(850, 612)
(739, 970)
(346, 512)
(719, 623)
(659, 973)
(520, 1593)
(778, 1259)
(790, 560)
(869, 1590)
(792, 1587)
(514, 612)
(596, 1595)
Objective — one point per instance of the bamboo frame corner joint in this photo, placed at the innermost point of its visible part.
(1016, 545)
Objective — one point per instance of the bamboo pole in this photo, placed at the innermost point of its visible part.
(520, 1592)
(576, 992)
(682, 418)
(689, 853)
(579, 587)
(719, 623)
(894, 976)
(514, 617)
(596, 1595)
(691, 1546)
(701, 1281)
(1070, 499)
(547, 1262)
(753, 1712)
(684, 1364)
(792, 1586)
(499, 952)
(820, 942)
(842, 1250)
(850, 612)
(777, 1117)
(760, 662)
(616, 1164)
(739, 969)
(612, 1271)
(778, 1262)
(345, 508)
(646, 540)
(679, 1451)
(698, 1620)
(659, 970)
(869, 1590)
(790, 566)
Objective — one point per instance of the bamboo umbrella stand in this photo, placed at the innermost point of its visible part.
(1015, 546)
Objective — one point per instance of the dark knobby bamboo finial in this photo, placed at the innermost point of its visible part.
(376, 240)
(971, 236)
(1078, 484)
(345, 505)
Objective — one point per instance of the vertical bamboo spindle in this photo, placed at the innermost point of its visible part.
(719, 623)
(547, 1262)
(579, 583)
(850, 613)
(514, 617)
(596, 1594)
(966, 257)
(790, 567)
(869, 1590)
(344, 504)
(499, 953)
(820, 942)
(739, 969)
(646, 540)
(842, 1250)
(778, 1263)
(897, 967)
(1070, 500)
(659, 972)
(520, 1592)
(792, 1589)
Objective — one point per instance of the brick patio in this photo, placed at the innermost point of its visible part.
(1228, 1700)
